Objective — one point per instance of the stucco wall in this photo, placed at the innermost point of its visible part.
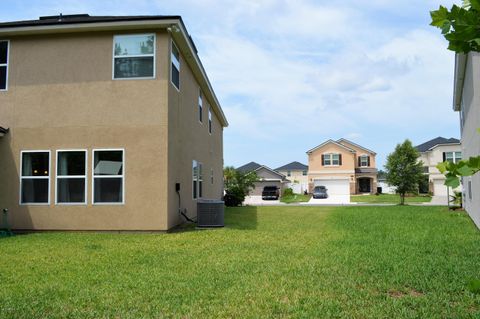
(190, 140)
(360, 152)
(315, 159)
(470, 137)
(61, 96)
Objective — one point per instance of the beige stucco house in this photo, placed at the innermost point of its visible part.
(108, 117)
(466, 101)
(344, 167)
(297, 174)
(432, 153)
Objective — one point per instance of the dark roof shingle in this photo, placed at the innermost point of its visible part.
(436, 141)
(249, 167)
(80, 18)
(292, 167)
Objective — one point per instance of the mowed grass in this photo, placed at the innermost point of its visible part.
(270, 262)
(389, 198)
(295, 198)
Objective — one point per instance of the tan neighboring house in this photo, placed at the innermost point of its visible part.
(108, 118)
(435, 151)
(297, 173)
(266, 177)
(343, 167)
(466, 100)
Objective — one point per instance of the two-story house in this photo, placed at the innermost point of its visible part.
(466, 101)
(297, 173)
(343, 167)
(435, 151)
(113, 123)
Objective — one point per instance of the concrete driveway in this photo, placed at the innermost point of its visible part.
(258, 201)
(332, 199)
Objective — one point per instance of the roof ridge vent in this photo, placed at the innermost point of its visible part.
(62, 17)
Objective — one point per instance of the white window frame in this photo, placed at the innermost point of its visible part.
(454, 156)
(210, 124)
(57, 177)
(35, 177)
(6, 65)
(330, 155)
(194, 180)
(200, 106)
(135, 56)
(200, 180)
(108, 176)
(362, 157)
(176, 63)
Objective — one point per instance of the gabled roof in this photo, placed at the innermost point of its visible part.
(293, 166)
(344, 140)
(249, 167)
(328, 142)
(427, 146)
(253, 167)
(63, 24)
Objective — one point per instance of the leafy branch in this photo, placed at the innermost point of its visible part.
(459, 25)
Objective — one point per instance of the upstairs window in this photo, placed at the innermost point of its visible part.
(364, 161)
(35, 178)
(71, 184)
(304, 173)
(331, 159)
(200, 107)
(209, 121)
(134, 56)
(453, 157)
(175, 67)
(4, 46)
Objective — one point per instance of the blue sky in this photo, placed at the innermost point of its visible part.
(292, 74)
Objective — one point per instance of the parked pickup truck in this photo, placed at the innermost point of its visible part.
(270, 192)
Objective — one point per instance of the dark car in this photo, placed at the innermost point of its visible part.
(320, 192)
(270, 192)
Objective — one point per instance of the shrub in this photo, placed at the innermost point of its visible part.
(288, 192)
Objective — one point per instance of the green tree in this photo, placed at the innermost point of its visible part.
(404, 170)
(459, 25)
(238, 184)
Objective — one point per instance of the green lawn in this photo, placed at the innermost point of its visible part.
(389, 198)
(295, 198)
(270, 262)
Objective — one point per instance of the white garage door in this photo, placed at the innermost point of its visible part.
(334, 186)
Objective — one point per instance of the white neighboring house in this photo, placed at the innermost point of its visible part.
(466, 100)
(386, 188)
(435, 151)
(297, 173)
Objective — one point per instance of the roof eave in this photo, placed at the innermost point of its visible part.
(459, 78)
(333, 142)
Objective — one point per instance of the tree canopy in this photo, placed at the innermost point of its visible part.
(404, 170)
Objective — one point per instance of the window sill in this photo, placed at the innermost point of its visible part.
(142, 78)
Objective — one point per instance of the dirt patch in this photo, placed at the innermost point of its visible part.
(405, 293)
